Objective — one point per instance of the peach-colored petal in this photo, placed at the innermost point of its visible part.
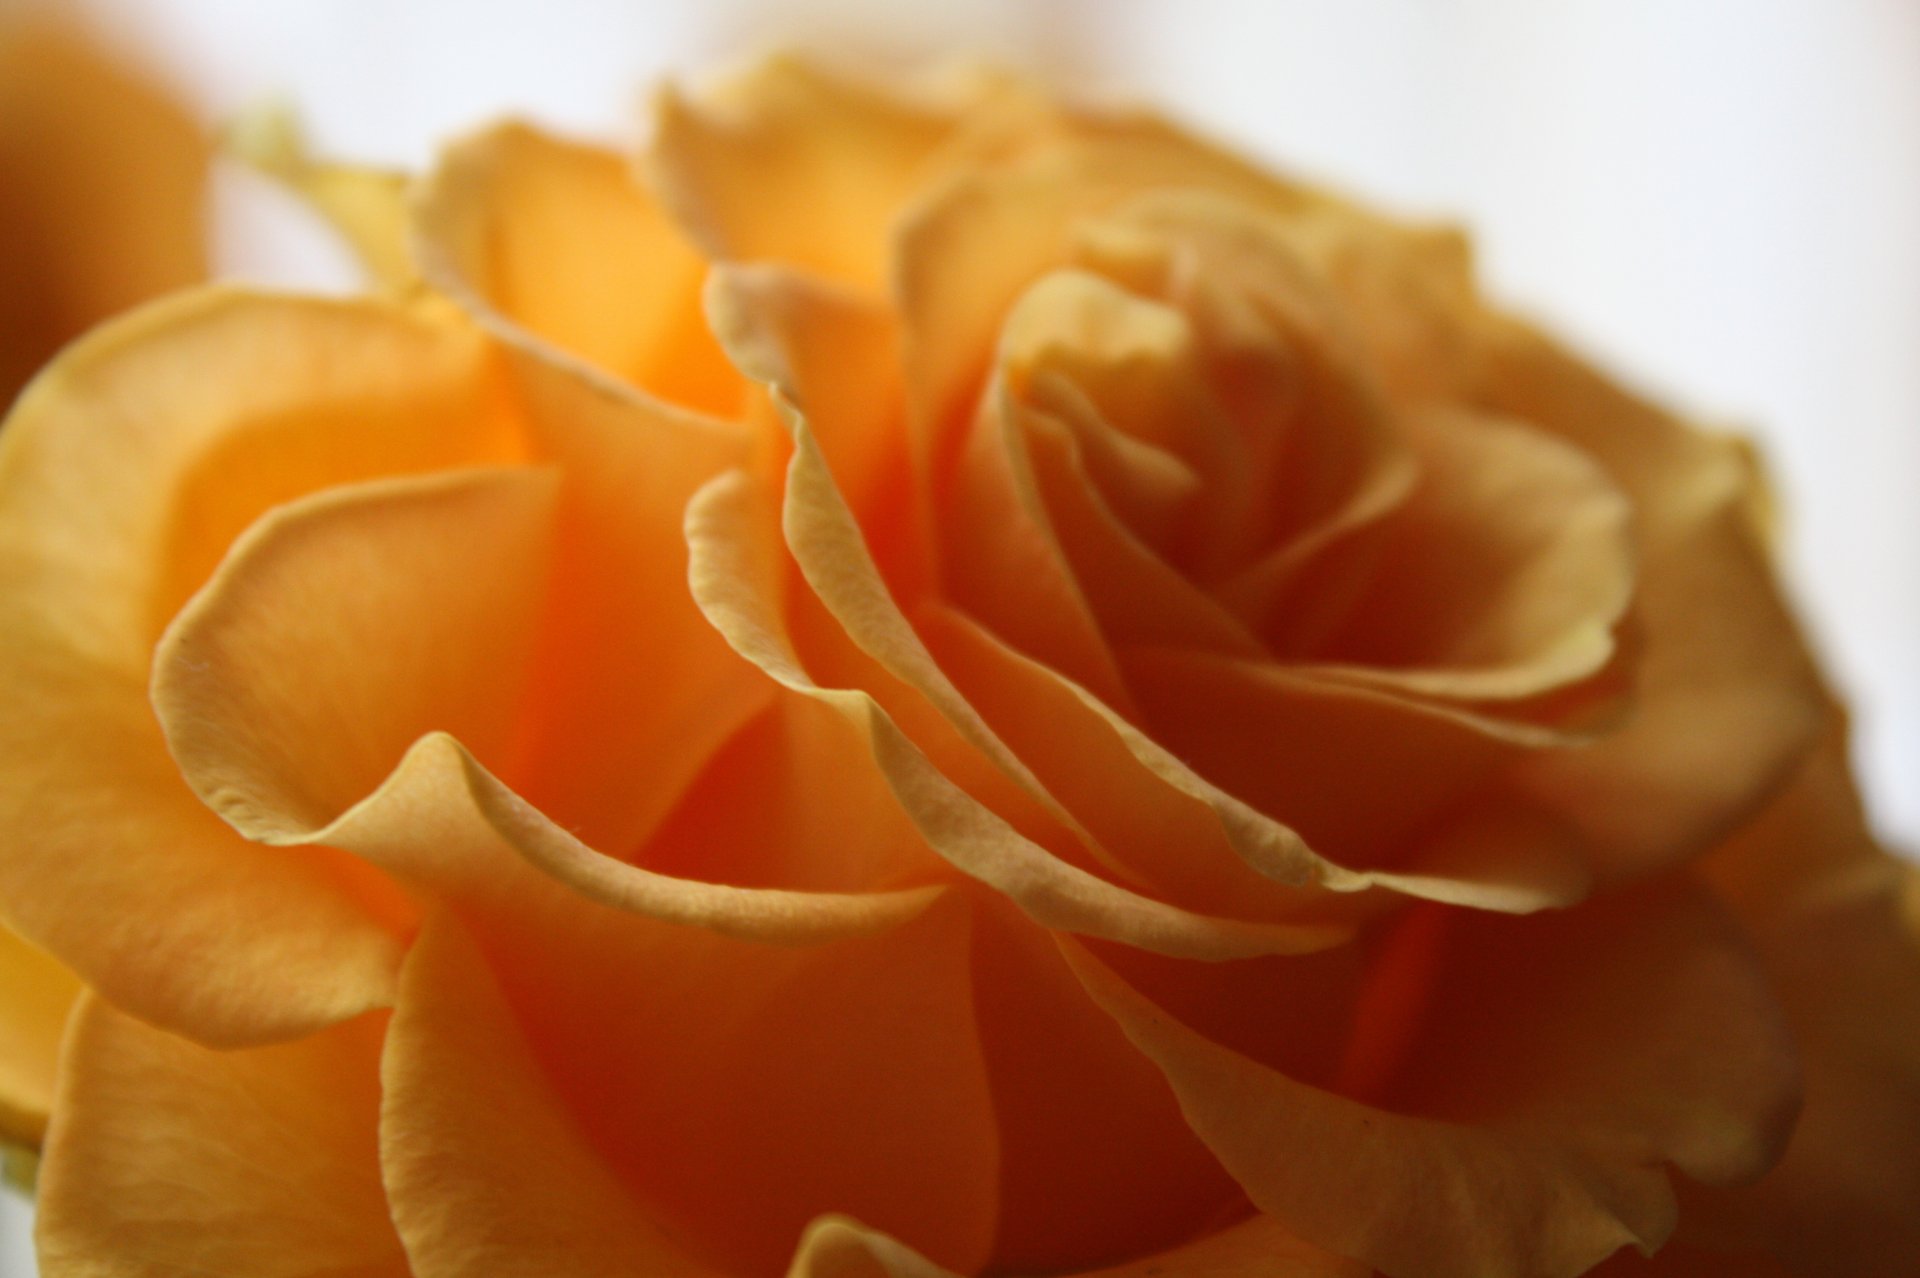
(1312, 754)
(833, 354)
(340, 630)
(1540, 1105)
(167, 1158)
(740, 1089)
(102, 190)
(735, 578)
(124, 475)
(109, 520)
(486, 1171)
(36, 995)
(632, 680)
(1837, 922)
(559, 240)
(1096, 1162)
(1727, 698)
(1502, 576)
(1159, 821)
(309, 700)
(839, 1247)
(788, 162)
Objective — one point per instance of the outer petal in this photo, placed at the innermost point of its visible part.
(124, 474)
(560, 240)
(1630, 1035)
(308, 694)
(837, 1247)
(486, 1171)
(168, 1159)
(36, 995)
(788, 162)
(740, 1089)
(102, 188)
(1728, 700)
(1837, 922)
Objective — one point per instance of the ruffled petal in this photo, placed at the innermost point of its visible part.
(1727, 699)
(36, 996)
(1096, 1162)
(736, 562)
(341, 629)
(1837, 923)
(839, 1247)
(560, 240)
(166, 1157)
(311, 692)
(788, 162)
(1562, 1065)
(486, 1171)
(739, 1090)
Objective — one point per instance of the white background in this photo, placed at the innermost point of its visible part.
(1719, 198)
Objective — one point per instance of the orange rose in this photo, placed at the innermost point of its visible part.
(1193, 746)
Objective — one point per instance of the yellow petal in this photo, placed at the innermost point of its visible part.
(487, 1172)
(105, 179)
(1567, 1060)
(165, 1157)
(559, 241)
(1727, 700)
(36, 995)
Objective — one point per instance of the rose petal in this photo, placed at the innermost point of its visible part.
(787, 162)
(561, 241)
(124, 474)
(105, 179)
(1502, 576)
(327, 724)
(1837, 922)
(1541, 1103)
(339, 631)
(1096, 1162)
(739, 1090)
(1311, 753)
(486, 1171)
(1157, 819)
(36, 995)
(735, 578)
(838, 1247)
(165, 1157)
(1727, 698)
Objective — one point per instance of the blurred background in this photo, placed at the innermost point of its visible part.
(1718, 199)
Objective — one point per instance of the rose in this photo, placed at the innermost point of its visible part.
(1194, 745)
(102, 180)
